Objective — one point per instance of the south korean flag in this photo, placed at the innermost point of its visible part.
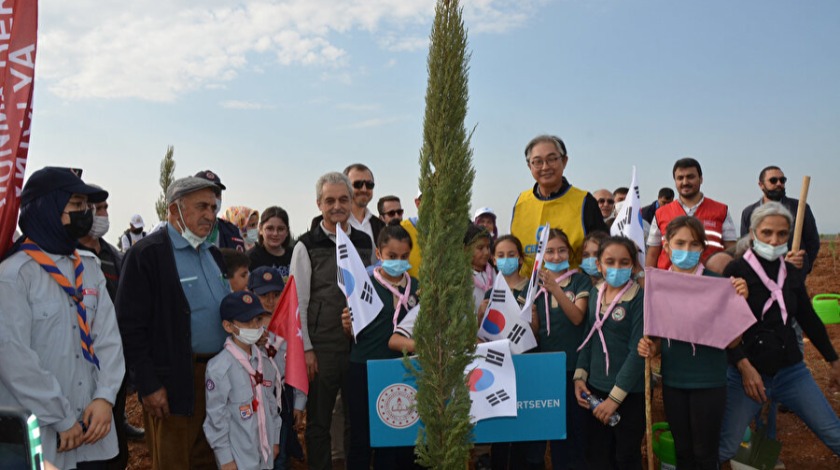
(362, 300)
(533, 282)
(503, 321)
(492, 381)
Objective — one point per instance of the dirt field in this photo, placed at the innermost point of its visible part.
(801, 450)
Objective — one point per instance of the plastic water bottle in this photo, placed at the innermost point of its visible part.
(594, 402)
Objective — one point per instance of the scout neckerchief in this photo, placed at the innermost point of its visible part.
(488, 279)
(271, 346)
(402, 299)
(698, 271)
(600, 320)
(256, 387)
(544, 292)
(775, 288)
(36, 253)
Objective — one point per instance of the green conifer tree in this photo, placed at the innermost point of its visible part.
(446, 326)
(167, 176)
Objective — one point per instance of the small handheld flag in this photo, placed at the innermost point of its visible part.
(533, 283)
(502, 320)
(285, 323)
(492, 381)
(362, 300)
(628, 220)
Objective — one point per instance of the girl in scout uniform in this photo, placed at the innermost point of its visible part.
(589, 255)
(608, 366)
(693, 376)
(561, 306)
(398, 292)
(477, 240)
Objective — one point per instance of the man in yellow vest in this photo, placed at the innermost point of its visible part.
(554, 200)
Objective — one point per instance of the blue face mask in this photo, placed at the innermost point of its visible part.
(556, 267)
(617, 277)
(685, 259)
(589, 267)
(507, 266)
(395, 267)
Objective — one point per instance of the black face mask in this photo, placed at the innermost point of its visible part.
(80, 223)
(137, 231)
(775, 195)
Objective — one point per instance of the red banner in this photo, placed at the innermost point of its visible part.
(285, 322)
(18, 38)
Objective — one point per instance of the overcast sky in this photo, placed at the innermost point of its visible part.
(271, 94)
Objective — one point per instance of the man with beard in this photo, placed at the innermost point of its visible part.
(772, 181)
(720, 230)
(320, 300)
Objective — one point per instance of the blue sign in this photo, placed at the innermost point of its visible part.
(540, 393)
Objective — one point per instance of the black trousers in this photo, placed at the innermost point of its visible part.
(618, 447)
(695, 417)
(360, 452)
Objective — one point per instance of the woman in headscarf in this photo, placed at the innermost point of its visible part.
(246, 220)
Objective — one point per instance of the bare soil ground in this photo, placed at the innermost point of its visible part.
(801, 450)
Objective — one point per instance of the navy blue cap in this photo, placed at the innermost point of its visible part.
(50, 178)
(264, 280)
(240, 306)
(211, 177)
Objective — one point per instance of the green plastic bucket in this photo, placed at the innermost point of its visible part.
(663, 446)
(827, 307)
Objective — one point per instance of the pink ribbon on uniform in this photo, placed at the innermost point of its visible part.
(402, 298)
(488, 274)
(544, 292)
(599, 321)
(256, 387)
(775, 288)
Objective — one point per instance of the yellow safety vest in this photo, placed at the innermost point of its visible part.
(413, 257)
(564, 212)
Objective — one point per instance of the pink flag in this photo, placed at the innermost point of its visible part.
(697, 309)
(18, 37)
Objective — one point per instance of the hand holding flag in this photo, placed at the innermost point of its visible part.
(362, 300)
(533, 283)
(502, 320)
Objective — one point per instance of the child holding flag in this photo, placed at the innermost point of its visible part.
(694, 376)
(562, 303)
(608, 367)
(242, 424)
(477, 239)
(398, 292)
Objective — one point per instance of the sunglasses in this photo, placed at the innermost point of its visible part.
(776, 179)
(394, 213)
(358, 184)
(606, 201)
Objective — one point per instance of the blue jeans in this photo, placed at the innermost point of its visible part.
(792, 386)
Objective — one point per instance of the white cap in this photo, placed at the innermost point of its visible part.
(482, 211)
(137, 221)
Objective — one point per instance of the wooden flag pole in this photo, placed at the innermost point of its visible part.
(800, 214)
(648, 418)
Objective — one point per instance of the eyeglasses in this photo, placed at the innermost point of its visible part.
(606, 201)
(539, 162)
(394, 213)
(777, 179)
(359, 183)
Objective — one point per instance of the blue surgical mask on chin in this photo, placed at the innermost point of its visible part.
(768, 251)
(507, 266)
(617, 277)
(685, 259)
(395, 267)
(556, 267)
(589, 267)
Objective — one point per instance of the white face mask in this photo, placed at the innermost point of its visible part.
(252, 235)
(194, 240)
(768, 251)
(250, 335)
(100, 226)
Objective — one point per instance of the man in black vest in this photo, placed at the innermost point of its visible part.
(321, 302)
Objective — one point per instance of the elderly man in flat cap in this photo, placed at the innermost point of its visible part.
(60, 350)
(168, 303)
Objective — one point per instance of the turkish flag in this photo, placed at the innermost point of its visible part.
(18, 34)
(285, 322)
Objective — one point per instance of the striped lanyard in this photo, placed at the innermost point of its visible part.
(75, 292)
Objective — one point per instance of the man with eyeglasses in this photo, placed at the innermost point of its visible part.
(390, 208)
(606, 203)
(554, 200)
(772, 181)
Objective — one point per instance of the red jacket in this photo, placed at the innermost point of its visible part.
(711, 214)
